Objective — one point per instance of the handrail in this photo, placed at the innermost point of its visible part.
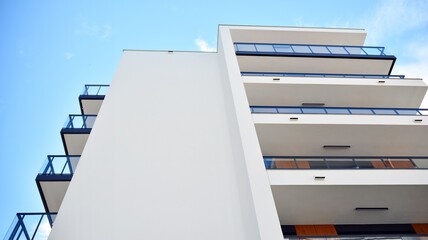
(242, 48)
(96, 89)
(80, 121)
(60, 164)
(324, 75)
(338, 110)
(30, 226)
(345, 162)
(363, 237)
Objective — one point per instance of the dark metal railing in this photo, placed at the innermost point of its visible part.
(30, 226)
(345, 162)
(338, 110)
(309, 49)
(323, 75)
(80, 121)
(60, 164)
(96, 89)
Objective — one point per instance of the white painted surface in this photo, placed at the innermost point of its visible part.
(367, 135)
(91, 106)
(163, 160)
(75, 143)
(334, 92)
(314, 65)
(349, 177)
(54, 193)
(298, 35)
(336, 204)
(267, 217)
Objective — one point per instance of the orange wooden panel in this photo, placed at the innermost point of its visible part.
(402, 164)
(421, 228)
(285, 164)
(303, 164)
(305, 230)
(378, 164)
(326, 230)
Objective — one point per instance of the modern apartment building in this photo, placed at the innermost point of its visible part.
(282, 133)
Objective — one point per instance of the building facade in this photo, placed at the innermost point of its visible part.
(282, 133)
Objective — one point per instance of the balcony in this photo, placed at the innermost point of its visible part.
(330, 131)
(54, 178)
(276, 89)
(75, 133)
(31, 226)
(92, 98)
(330, 59)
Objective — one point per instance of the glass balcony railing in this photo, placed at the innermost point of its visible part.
(59, 165)
(339, 110)
(322, 75)
(368, 237)
(76, 121)
(314, 50)
(30, 226)
(95, 90)
(346, 162)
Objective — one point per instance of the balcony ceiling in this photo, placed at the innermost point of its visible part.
(334, 92)
(53, 193)
(368, 135)
(336, 204)
(91, 106)
(332, 65)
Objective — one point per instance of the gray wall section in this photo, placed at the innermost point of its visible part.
(162, 160)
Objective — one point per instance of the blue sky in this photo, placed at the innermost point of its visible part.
(50, 49)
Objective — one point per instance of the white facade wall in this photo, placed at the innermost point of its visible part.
(164, 159)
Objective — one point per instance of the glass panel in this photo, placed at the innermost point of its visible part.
(337, 111)
(283, 48)
(421, 163)
(385, 111)
(90, 120)
(284, 163)
(369, 163)
(423, 112)
(337, 50)
(319, 49)
(301, 49)
(264, 110)
(355, 50)
(399, 163)
(44, 229)
(289, 110)
(246, 47)
(361, 111)
(372, 51)
(407, 112)
(103, 90)
(268, 163)
(314, 110)
(264, 48)
(344, 163)
(317, 163)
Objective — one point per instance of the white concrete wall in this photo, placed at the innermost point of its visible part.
(267, 217)
(164, 159)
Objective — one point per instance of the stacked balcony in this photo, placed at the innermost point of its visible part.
(344, 142)
(58, 170)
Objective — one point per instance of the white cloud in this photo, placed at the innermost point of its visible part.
(94, 30)
(68, 55)
(106, 31)
(393, 17)
(203, 45)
